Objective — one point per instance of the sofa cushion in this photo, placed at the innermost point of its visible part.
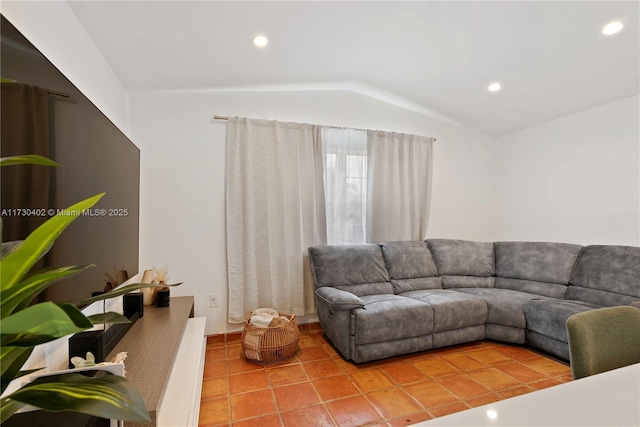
(408, 260)
(552, 290)
(609, 268)
(536, 261)
(390, 317)
(344, 266)
(548, 317)
(506, 306)
(462, 257)
(451, 309)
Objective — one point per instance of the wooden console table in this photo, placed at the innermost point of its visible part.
(165, 360)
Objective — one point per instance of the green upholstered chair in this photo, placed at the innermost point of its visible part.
(603, 339)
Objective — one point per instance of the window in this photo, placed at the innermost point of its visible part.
(345, 184)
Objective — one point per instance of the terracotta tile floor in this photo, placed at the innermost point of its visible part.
(319, 388)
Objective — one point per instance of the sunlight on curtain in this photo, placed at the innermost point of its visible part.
(275, 211)
(345, 184)
(377, 185)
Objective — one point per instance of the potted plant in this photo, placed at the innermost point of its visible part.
(25, 326)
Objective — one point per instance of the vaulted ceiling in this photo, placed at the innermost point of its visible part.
(550, 57)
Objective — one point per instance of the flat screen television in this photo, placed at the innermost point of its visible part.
(95, 156)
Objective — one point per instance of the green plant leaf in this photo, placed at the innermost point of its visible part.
(23, 373)
(13, 358)
(42, 323)
(108, 396)
(27, 159)
(8, 408)
(108, 317)
(121, 291)
(19, 297)
(15, 265)
(9, 247)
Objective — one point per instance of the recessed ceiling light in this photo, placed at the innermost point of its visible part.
(494, 87)
(612, 28)
(260, 41)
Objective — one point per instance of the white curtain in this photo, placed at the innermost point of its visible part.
(399, 186)
(345, 184)
(275, 211)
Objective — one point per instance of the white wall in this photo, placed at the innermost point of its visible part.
(575, 179)
(182, 182)
(53, 28)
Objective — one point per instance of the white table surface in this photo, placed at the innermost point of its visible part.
(608, 399)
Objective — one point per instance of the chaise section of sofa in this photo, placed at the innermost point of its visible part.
(603, 276)
(358, 309)
(525, 272)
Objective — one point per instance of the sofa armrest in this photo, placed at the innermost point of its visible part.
(338, 299)
(635, 304)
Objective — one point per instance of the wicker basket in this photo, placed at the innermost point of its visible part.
(267, 346)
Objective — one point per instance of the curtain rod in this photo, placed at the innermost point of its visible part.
(51, 92)
(62, 94)
(225, 118)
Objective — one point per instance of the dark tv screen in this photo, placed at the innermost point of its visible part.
(96, 157)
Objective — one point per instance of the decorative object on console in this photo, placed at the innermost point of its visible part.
(161, 277)
(147, 292)
(79, 362)
(99, 342)
(162, 296)
(90, 360)
(133, 303)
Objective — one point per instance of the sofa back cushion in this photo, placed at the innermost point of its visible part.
(608, 274)
(552, 290)
(538, 261)
(463, 263)
(408, 260)
(410, 266)
(357, 268)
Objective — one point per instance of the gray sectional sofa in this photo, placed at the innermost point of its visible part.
(381, 300)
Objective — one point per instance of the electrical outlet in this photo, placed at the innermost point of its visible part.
(213, 300)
